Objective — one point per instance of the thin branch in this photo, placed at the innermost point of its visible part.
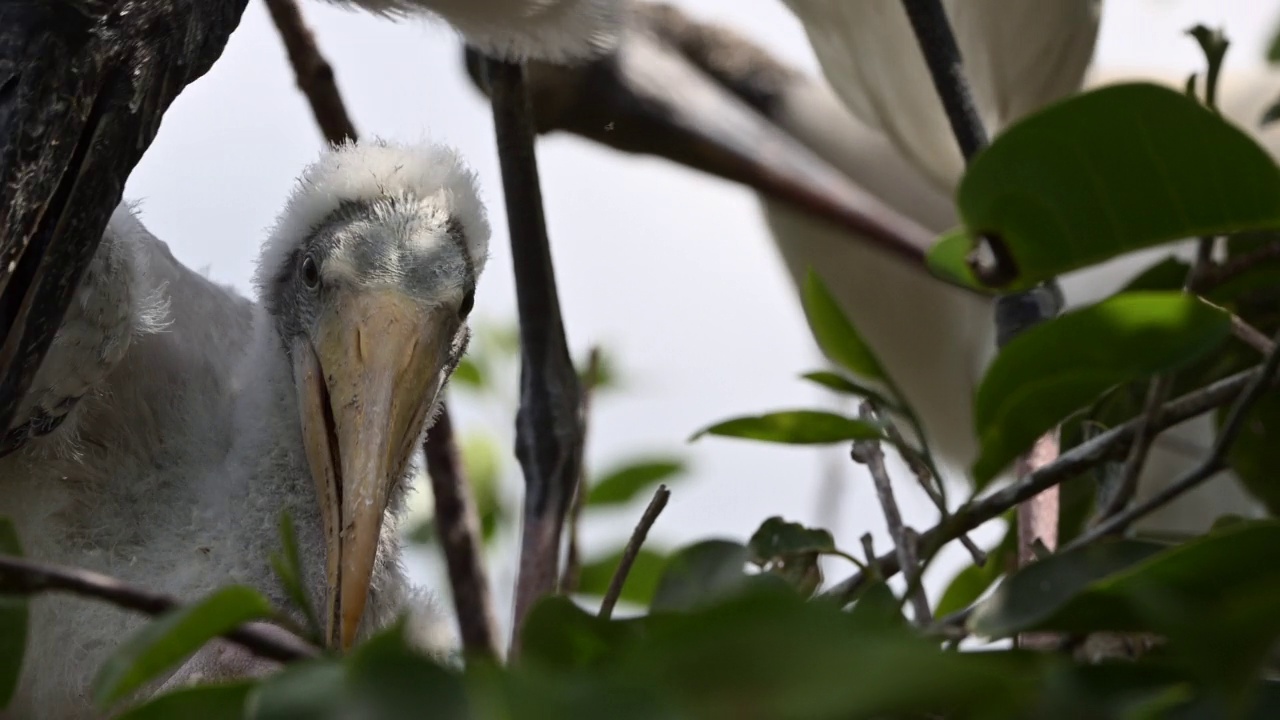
(1068, 465)
(942, 56)
(632, 550)
(1208, 467)
(920, 467)
(870, 453)
(25, 577)
(313, 72)
(1251, 336)
(1235, 267)
(1157, 393)
(458, 526)
(83, 87)
(457, 520)
(549, 422)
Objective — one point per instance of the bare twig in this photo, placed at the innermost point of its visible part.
(869, 453)
(632, 550)
(457, 520)
(1251, 336)
(924, 474)
(573, 556)
(1157, 393)
(1208, 467)
(313, 72)
(1068, 465)
(458, 526)
(1239, 265)
(25, 577)
(83, 87)
(549, 422)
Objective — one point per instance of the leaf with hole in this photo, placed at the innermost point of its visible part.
(1060, 366)
(795, 427)
(13, 623)
(166, 641)
(1107, 172)
(622, 485)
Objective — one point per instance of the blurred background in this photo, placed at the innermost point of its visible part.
(669, 270)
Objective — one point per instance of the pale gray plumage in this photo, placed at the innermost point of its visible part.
(173, 469)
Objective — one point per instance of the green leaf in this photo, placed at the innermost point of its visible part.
(1060, 366)
(878, 607)
(468, 374)
(845, 386)
(224, 701)
(795, 427)
(834, 333)
(388, 680)
(969, 584)
(1110, 171)
(560, 634)
(777, 539)
(288, 569)
(625, 483)
(948, 260)
(700, 574)
(174, 636)
(642, 580)
(312, 689)
(13, 622)
(1255, 454)
(1030, 596)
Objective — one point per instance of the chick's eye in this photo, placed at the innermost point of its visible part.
(310, 273)
(468, 301)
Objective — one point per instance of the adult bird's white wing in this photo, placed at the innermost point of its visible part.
(1018, 56)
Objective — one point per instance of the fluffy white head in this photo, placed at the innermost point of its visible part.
(549, 30)
(426, 173)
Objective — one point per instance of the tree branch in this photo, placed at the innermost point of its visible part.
(313, 72)
(632, 550)
(27, 578)
(549, 422)
(82, 89)
(1068, 465)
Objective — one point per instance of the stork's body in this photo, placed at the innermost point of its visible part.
(190, 437)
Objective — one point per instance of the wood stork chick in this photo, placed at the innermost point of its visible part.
(193, 417)
(935, 339)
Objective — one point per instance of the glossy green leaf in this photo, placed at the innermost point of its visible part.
(625, 483)
(1114, 170)
(843, 385)
(13, 623)
(795, 427)
(165, 642)
(835, 334)
(1060, 366)
(701, 573)
(642, 579)
(1255, 454)
(1030, 596)
(224, 701)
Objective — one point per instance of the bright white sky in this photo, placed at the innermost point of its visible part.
(671, 270)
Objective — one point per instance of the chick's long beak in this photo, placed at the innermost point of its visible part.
(364, 383)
